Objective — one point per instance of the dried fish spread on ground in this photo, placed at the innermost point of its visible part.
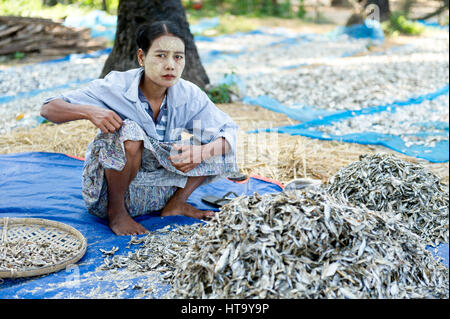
(407, 122)
(158, 251)
(306, 245)
(384, 182)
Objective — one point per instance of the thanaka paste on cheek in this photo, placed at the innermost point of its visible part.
(156, 67)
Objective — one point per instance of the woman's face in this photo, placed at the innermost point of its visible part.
(164, 61)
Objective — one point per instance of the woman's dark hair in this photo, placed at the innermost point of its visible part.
(147, 33)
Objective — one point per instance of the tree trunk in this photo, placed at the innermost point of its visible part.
(407, 6)
(275, 8)
(133, 13)
(383, 7)
(341, 3)
(49, 3)
(364, 10)
(104, 6)
(437, 12)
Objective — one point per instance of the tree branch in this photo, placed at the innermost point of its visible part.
(435, 13)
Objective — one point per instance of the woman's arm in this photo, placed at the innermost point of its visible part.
(60, 111)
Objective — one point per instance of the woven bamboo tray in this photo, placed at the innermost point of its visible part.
(41, 231)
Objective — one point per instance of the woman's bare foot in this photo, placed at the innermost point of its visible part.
(122, 224)
(179, 207)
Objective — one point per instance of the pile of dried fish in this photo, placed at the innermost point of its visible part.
(24, 254)
(305, 244)
(159, 251)
(386, 183)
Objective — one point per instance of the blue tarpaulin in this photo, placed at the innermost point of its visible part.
(100, 23)
(431, 24)
(22, 95)
(48, 185)
(312, 118)
(299, 113)
(204, 24)
(370, 29)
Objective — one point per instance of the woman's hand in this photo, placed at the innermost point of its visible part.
(60, 111)
(106, 120)
(188, 157)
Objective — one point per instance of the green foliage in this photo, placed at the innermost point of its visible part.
(36, 8)
(399, 24)
(19, 7)
(111, 5)
(279, 8)
(251, 8)
(301, 9)
(445, 21)
(229, 24)
(18, 55)
(285, 10)
(220, 93)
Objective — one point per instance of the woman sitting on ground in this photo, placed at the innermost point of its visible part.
(138, 163)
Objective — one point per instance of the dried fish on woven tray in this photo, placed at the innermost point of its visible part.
(305, 244)
(384, 182)
(25, 254)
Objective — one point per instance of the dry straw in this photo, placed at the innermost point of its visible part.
(278, 156)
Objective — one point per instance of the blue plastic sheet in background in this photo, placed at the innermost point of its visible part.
(204, 24)
(22, 95)
(370, 29)
(233, 79)
(100, 23)
(48, 185)
(433, 24)
(437, 154)
(301, 114)
(99, 19)
(392, 107)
